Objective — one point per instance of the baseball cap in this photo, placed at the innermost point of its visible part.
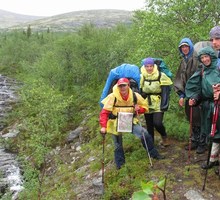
(123, 81)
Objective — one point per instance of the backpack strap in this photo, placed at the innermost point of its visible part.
(158, 78)
(111, 116)
(134, 99)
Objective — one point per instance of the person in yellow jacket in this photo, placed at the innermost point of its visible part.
(119, 115)
(155, 87)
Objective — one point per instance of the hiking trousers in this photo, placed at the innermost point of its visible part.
(138, 131)
(155, 120)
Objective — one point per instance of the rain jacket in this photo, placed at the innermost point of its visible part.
(114, 103)
(151, 87)
(188, 65)
(199, 87)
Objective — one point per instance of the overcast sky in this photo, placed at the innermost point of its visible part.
(55, 7)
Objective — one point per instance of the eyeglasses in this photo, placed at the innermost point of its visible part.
(122, 85)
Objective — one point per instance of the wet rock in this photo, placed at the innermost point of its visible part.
(11, 134)
(193, 194)
(74, 134)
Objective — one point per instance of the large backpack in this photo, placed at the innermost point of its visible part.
(165, 94)
(129, 71)
(201, 44)
(162, 66)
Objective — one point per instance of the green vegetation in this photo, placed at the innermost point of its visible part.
(62, 76)
(150, 189)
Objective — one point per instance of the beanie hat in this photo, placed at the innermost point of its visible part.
(148, 61)
(215, 32)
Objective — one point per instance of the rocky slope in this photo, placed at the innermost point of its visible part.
(67, 21)
(9, 19)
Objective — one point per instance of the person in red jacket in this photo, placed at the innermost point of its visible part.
(119, 115)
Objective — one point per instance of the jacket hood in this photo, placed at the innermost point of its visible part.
(191, 48)
(208, 51)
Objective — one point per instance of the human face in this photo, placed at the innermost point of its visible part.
(216, 43)
(149, 68)
(206, 60)
(123, 88)
(185, 49)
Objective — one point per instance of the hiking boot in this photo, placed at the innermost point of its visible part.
(201, 149)
(210, 165)
(165, 142)
(159, 157)
(194, 146)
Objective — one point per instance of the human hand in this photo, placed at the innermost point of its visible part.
(136, 108)
(103, 130)
(216, 96)
(216, 87)
(181, 102)
(192, 102)
(216, 91)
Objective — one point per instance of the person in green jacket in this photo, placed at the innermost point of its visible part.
(199, 90)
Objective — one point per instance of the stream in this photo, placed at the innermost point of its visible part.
(10, 176)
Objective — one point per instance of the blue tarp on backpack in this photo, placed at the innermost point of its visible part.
(122, 71)
(162, 67)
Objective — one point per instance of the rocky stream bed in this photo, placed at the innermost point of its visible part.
(10, 178)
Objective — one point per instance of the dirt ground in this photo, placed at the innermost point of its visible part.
(184, 173)
(184, 179)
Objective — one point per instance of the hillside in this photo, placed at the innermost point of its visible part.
(8, 19)
(67, 21)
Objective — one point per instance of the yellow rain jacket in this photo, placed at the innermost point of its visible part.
(151, 85)
(114, 103)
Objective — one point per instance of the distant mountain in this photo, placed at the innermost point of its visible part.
(8, 19)
(67, 21)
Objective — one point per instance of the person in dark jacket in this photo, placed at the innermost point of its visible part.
(188, 65)
(203, 88)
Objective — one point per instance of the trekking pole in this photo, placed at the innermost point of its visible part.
(145, 142)
(207, 163)
(190, 136)
(213, 129)
(103, 163)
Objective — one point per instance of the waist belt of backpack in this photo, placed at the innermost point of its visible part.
(111, 116)
(149, 99)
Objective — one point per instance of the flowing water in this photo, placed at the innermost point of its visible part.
(10, 176)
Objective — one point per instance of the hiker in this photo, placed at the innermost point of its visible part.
(153, 87)
(215, 39)
(199, 89)
(121, 101)
(188, 65)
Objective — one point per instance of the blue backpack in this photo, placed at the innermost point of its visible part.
(129, 71)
